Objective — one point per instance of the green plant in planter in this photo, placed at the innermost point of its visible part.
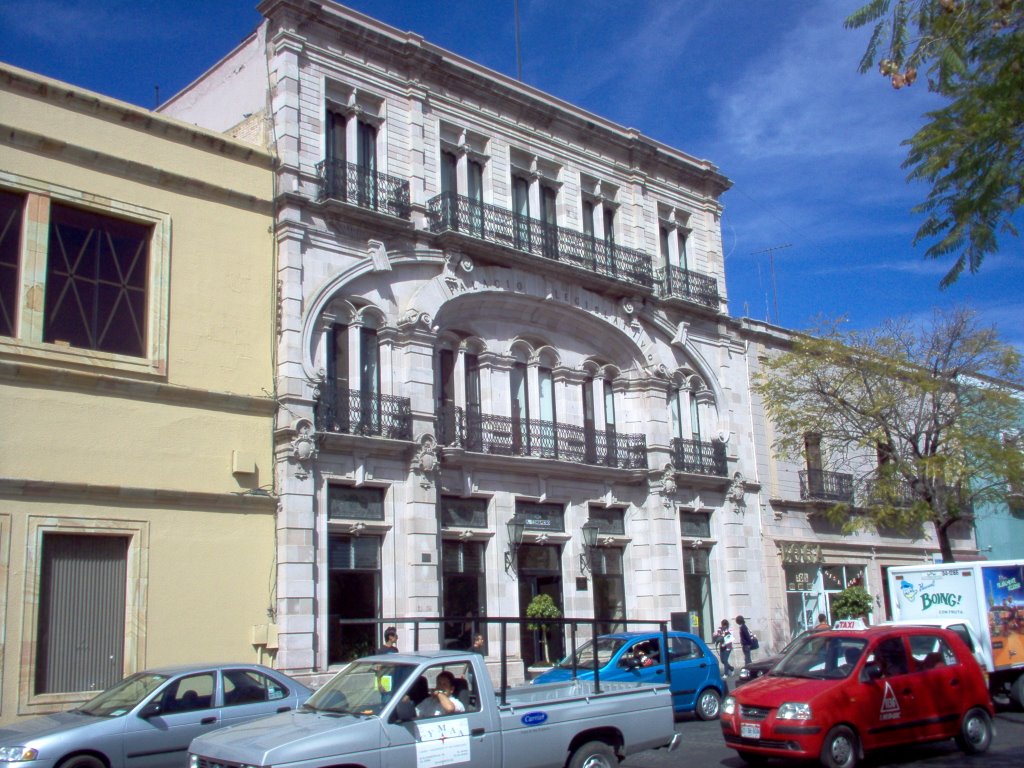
(851, 603)
(542, 607)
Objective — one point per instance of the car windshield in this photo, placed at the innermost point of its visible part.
(362, 688)
(124, 696)
(606, 648)
(821, 657)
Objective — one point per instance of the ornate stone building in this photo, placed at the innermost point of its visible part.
(505, 365)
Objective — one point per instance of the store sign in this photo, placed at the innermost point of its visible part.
(800, 552)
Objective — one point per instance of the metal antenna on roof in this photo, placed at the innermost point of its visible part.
(519, 58)
(156, 92)
(771, 267)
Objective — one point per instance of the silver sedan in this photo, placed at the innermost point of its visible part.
(148, 719)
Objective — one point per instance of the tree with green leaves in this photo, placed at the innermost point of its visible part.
(542, 606)
(925, 419)
(851, 603)
(971, 151)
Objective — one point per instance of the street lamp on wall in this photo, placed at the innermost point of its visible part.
(515, 527)
(590, 531)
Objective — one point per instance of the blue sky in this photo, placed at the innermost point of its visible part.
(767, 90)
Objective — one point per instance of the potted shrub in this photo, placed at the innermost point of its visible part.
(542, 607)
(851, 603)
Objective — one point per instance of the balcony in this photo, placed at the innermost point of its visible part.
(351, 412)
(509, 436)
(819, 485)
(449, 212)
(353, 184)
(679, 283)
(699, 457)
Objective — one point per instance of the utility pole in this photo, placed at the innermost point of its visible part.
(771, 268)
(519, 59)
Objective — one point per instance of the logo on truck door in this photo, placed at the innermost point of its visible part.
(534, 718)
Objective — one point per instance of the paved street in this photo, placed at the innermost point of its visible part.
(702, 747)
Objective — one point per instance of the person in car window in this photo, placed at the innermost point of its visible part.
(442, 700)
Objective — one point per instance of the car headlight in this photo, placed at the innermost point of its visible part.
(744, 674)
(193, 761)
(793, 710)
(729, 705)
(17, 754)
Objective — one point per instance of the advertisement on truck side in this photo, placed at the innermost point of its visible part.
(1004, 592)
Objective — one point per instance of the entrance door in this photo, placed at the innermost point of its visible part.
(540, 574)
(353, 593)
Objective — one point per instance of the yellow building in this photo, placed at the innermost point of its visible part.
(137, 334)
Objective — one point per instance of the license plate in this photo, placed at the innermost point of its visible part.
(750, 730)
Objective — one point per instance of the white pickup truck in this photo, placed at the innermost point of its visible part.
(383, 711)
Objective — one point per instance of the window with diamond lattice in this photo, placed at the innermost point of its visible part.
(96, 276)
(11, 208)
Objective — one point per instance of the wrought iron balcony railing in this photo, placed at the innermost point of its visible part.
(449, 212)
(699, 457)
(353, 184)
(679, 283)
(819, 485)
(511, 436)
(351, 412)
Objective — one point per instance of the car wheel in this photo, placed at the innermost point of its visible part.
(1017, 692)
(594, 754)
(840, 748)
(975, 732)
(709, 704)
(82, 761)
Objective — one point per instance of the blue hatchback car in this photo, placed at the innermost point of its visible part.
(696, 685)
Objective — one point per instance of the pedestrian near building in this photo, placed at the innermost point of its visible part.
(822, 622)
(390, 641)
(746, 639)
(724, 639)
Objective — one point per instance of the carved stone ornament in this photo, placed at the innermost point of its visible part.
(303, 448)
(737, 492)
(427, 461)
(668, 481)
(412, 318)
(378, 255)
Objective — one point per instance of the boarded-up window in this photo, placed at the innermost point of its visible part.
(82, 587)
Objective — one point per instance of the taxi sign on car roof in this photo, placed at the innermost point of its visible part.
(850, 624)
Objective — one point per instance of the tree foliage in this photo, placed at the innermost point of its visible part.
(851, 603)
(924, 418)
(972, 150)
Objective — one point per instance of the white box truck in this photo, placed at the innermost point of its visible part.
(988, 595)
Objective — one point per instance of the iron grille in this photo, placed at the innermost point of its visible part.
(351, 412)
(819, 485)
(354, 184)
(699, 457)
(510, 436)
(450, 212)
(676, 282)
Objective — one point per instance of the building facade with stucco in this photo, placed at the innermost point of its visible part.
(136, 327)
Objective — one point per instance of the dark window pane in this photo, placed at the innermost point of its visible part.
(354, 553)
(611, 520)
(344, 501)
(695, 524)
(463, 513)
(96, 275)
(11, 216)
(543, 517)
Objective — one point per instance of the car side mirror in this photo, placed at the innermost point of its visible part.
(404, 711)
(152, 709)
(871, 672)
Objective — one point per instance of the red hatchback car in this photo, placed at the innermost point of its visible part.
(840, 694)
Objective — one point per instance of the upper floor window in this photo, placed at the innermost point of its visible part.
(96, 274)
(685, 408)
(673, 236)
(98, 263)
(12, 209)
